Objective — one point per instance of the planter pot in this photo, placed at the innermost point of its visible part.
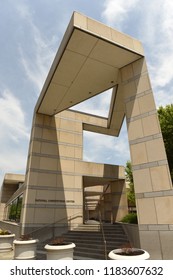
(6, 242)
(60, 252)
(25, 250)
(137, 254)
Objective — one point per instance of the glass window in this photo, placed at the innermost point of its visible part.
(14, 209)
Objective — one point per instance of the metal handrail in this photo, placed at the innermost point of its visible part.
(103, 234)
(72, 217)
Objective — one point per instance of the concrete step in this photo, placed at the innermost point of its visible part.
(89, 241)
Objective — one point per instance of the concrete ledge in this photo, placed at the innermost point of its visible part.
(132, 232)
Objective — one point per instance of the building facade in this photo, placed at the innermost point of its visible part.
(60, 187)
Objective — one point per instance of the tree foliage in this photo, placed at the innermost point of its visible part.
(166, 122)
(129, 178)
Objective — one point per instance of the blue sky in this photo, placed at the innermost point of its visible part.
(30, 33)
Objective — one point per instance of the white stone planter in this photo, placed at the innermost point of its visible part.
(6, 242)
(60, 252)
(113, 255)
(25, 249)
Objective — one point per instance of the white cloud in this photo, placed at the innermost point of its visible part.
(115, 12)
(97, 105)
(159, 50)
(14, 134)
(12, 118)
(106, 149)
(153, 25)
(37, 57)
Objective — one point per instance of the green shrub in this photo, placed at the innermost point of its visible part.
(130, 218)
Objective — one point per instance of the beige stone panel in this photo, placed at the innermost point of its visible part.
(37, 132)
(132, 108)
(160, 178)
(122, 39)
(31, 196)
(39, 119)
(99, 28)
(135, 130)
(52, 122)
(66, 72)
(67, 125)
(61, 215)
(46, 179)
(78, 139)
(44, 215)
(69, 195)
(75, 215)
(48, 120)
(164, 207)
(146, 211)
(138, 46)
(33, 178)
(150, 125)
(35, 162)
(166, 238)
(57, 121)
(35, 147)
(67, 137)
(80, 20)
(81, 43)
(143, 83)
(117, 216)
(129, 89)
(155, 150)
(67, 181)
(60, 195)
(150, 241)
(49, 149)
(127, 73)
(89, 168)
(138, 153)
(79, 167)
(78, 153)
(121, 172)
(58, 135)
(78, 197)
(67, 165)
(119, 199)
(78, 181)
(29, 215)
(49, 134)
(86, 118)
(142, 180)
(78, 127)
(45, 195)
(48, 163)
(67, 114)
(139, 66)
(146, 103)
(66, 151)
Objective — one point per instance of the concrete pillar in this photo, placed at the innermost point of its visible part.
(53, 190)
(153, 187)
(119, 200)
(107, 207)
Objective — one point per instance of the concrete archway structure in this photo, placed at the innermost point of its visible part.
(91, 59)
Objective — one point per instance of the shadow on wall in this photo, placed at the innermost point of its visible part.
(44, 200)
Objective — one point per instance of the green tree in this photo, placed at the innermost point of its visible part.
(166, 122)
(129, 178)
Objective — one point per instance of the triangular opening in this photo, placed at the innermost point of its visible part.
(98, 105)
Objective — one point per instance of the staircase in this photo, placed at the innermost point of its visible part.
(89, 240)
